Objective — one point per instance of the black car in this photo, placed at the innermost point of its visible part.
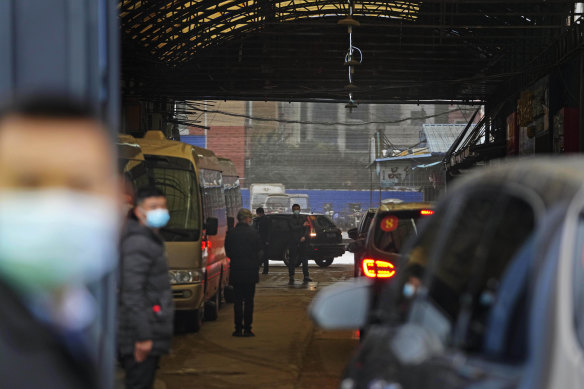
(358, 235)
(324, 243)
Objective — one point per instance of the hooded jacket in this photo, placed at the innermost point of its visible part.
(146, 309)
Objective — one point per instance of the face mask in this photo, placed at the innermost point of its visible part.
(409, 290)
(157, 218)
(55, 237)
(296, 212)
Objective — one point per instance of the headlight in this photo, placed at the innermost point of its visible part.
(184, 276)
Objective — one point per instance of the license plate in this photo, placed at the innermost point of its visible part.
(331, 235)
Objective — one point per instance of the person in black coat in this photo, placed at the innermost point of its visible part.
(263, 226)
(243, 246)
(297, 245)
(146, 309)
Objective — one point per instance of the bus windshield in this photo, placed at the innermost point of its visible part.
(176, 178)
(279, 202)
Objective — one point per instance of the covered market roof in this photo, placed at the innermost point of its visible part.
(296, 50)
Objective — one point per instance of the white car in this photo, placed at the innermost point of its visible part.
(490, 294)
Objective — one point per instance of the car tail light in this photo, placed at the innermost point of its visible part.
(378, 268)
(426, 212)
(312, 230)
(206, 244)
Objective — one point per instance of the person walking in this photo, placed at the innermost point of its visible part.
(263, 226)
(297, 244)
(146, 309)
(243, 246)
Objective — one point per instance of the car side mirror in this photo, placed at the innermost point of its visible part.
(353, 234)
(344, 305)
(212, 226)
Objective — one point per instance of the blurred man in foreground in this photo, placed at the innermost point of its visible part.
(146, 308)
(59, 217)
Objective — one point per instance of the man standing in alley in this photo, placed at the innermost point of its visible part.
(263, 226)
(146, 308)
(297, 245)
(243, 246)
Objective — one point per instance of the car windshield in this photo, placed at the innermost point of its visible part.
(394, 228)
(176, 178)
(258, 200)
(280, 202)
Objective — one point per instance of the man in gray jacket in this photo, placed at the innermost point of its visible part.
(145, 298)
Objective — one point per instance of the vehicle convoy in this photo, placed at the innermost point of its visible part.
(259, 192)
(490, 294)
(192, 181)
(324, 243)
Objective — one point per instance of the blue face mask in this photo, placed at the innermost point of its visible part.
(409, 290)
(157, 218)
(55, 237)
(296, 212)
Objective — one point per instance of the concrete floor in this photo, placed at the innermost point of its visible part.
(287, 352)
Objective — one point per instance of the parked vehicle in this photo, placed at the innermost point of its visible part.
(391, 227)
(490, 294)
(324, 244)
(358, 235)
(277, 203)
(258, 193)
(192, 181)
(302, 200)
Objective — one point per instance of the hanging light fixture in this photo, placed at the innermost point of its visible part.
(350, 61)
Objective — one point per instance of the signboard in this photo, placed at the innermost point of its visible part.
(393, 174)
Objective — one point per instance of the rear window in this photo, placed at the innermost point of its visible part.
(394, 228)
(322, 221)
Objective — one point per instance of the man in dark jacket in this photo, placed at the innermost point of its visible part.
(145, 298)
(243, 246)
(297, 245)
(263, 226)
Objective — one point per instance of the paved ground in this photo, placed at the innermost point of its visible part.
(287, 352)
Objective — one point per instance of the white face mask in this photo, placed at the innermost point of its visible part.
(55, 237)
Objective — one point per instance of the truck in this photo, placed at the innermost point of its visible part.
(259, 192)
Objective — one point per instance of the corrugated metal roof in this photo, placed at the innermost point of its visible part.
(441, 136)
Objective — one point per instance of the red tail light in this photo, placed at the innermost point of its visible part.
(206, 244)
(377, 268)
(426, 212)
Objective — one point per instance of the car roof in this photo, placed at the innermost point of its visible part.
(404, 206)
(553, 179)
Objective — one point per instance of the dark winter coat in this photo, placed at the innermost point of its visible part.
(146, 309)
(263, 227)
(32, 355)
(243, 246)
(297, 229)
